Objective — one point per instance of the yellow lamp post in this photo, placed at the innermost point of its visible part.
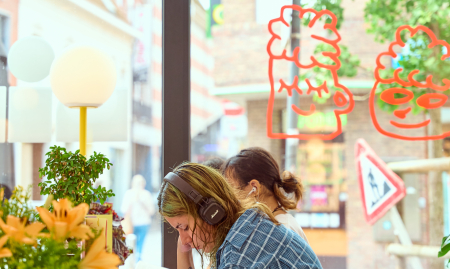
(83, 77)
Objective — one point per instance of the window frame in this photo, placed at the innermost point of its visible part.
(175, 104)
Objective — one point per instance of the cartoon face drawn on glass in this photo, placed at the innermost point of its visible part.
(342, 97)
(398, 91)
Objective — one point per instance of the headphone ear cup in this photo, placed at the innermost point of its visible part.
(212, 212)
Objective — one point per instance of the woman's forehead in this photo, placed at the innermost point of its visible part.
(182, 220)
(175, 221)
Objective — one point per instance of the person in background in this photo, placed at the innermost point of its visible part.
(215, 163)
(138, 206)
(5, 192)
(446, 146)
(255, 173)
(201, 205)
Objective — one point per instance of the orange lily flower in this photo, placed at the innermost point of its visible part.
(16, 230)
(98, 258)
(4, 252)
(66, 221)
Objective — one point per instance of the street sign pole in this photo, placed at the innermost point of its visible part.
(381, 189)
(292, 116)
(403, 236)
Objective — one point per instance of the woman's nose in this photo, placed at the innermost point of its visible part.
(185, 238)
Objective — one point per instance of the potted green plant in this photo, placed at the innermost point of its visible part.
(70, 175)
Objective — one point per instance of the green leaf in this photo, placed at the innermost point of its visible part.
(430, 62)
(445, 247)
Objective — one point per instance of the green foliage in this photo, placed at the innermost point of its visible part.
(332, 5)
(349, 62)
(47, 254)
(71, 175)
(445, 247)
(384, 17)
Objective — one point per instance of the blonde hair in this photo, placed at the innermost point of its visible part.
(209, 183)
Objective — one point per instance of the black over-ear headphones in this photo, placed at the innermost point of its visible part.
(210, 211)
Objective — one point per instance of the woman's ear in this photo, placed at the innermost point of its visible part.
(255, 184)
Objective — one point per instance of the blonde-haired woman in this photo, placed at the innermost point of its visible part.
(198, 202)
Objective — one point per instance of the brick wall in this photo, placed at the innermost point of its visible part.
(359, 42)
(240, 44)
(11, 7)
(238, 11)
(257, 132)
(241, 58)
(240, 54)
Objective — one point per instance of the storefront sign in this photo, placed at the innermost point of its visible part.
(318, 196)
(215, 15)
(321, 120)
(141, 19)
(321, 166)
(233, 126)
(318, 220)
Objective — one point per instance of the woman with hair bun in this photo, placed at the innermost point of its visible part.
(255, 173)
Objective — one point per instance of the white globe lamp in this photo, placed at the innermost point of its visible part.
(30, 58)
(83, 77)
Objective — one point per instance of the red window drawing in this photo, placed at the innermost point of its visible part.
(402, 95)
(342, 98)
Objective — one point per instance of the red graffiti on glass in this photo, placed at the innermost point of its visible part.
(343, 99)
(391, 95)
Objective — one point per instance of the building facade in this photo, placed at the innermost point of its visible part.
(205, 109)
(331, 211)
(66, 23)
(9, 11)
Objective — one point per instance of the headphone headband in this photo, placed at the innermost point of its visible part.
(209, 210)
(184, 187)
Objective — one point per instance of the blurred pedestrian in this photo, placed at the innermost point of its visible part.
(215, 163)
(138, 206)
(5, 192)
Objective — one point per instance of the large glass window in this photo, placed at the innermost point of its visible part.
(126, 128)
(231, 56)
(310, 91)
